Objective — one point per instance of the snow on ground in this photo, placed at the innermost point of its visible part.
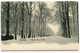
(44, 43)
(53, 42)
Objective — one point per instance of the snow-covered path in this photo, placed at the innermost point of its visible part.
(46, 43)
(43, 43)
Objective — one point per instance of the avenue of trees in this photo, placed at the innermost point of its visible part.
(29, 19)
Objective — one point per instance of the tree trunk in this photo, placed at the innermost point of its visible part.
(67, 13)
(30, 15)
(64, 21)
(73, 14)
(16, 30)
(29, 27)
(7, 20)
(22, 35)
(15, 22)
(77, 21)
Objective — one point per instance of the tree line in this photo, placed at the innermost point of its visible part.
(29, 19)
(68, 17)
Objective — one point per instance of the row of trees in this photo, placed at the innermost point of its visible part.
(68, 16)
(29, 19)
(24, 18)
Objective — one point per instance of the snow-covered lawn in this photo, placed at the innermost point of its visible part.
(44, 43)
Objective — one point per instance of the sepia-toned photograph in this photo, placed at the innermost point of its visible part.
(39, 25)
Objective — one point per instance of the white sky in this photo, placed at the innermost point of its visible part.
(50, 3)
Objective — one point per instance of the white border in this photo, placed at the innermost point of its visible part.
(39, 0)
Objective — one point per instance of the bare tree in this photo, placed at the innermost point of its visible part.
(7, 20)
(22, 11)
